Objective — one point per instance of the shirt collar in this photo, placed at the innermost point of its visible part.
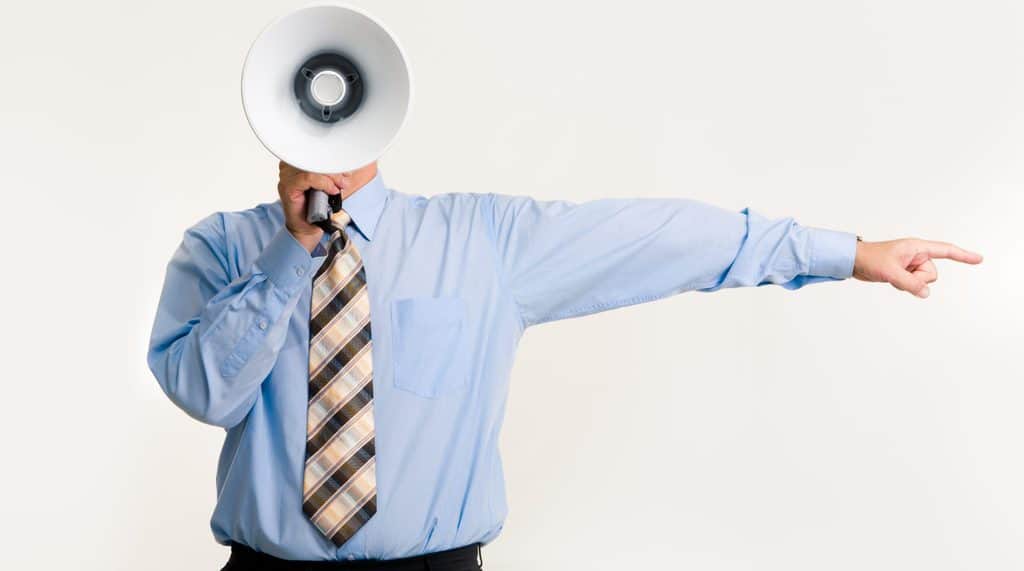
(366, 205)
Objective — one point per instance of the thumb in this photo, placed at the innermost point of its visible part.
(903, 280)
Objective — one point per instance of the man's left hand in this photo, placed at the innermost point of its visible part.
(907, 264)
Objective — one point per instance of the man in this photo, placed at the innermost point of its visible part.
(361, 372)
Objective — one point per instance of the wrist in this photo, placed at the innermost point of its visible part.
(862, 259)
(307, 238)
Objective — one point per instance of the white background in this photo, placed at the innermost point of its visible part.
(844, 426)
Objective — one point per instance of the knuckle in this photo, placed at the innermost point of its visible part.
(910, 285)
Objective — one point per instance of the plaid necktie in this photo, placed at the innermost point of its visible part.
(339, 484)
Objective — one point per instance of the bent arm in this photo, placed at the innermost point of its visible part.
(215, 339)
(562, 259)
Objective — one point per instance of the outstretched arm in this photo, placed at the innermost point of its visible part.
(562, 259)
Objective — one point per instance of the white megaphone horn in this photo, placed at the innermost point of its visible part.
(326, 89)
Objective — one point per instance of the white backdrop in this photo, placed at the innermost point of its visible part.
(845, 426)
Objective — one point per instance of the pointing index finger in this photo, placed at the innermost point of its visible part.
(944, 250)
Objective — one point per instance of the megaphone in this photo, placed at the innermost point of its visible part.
(326, 89)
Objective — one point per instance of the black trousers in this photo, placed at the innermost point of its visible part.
(468, 558)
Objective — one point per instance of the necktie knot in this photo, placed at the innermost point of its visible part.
(340, 219)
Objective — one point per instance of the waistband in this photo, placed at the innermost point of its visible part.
(466, 557)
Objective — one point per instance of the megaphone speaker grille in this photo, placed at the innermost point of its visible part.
(328, 87)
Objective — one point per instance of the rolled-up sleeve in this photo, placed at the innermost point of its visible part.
(564, 259)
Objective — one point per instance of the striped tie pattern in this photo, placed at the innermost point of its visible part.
(339, 484)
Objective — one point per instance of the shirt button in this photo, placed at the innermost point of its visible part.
(299, 271)
(263, 324)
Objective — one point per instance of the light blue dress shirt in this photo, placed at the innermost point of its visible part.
(454, 280)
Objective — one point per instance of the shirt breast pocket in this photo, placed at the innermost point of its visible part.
(428, 338)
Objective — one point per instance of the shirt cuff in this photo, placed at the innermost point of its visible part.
(286, 262)
(832, 253)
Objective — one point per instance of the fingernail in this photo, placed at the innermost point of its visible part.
(925, 292)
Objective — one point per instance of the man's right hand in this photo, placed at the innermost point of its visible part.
(292, 185)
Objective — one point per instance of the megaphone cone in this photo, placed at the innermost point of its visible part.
(326, 88)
